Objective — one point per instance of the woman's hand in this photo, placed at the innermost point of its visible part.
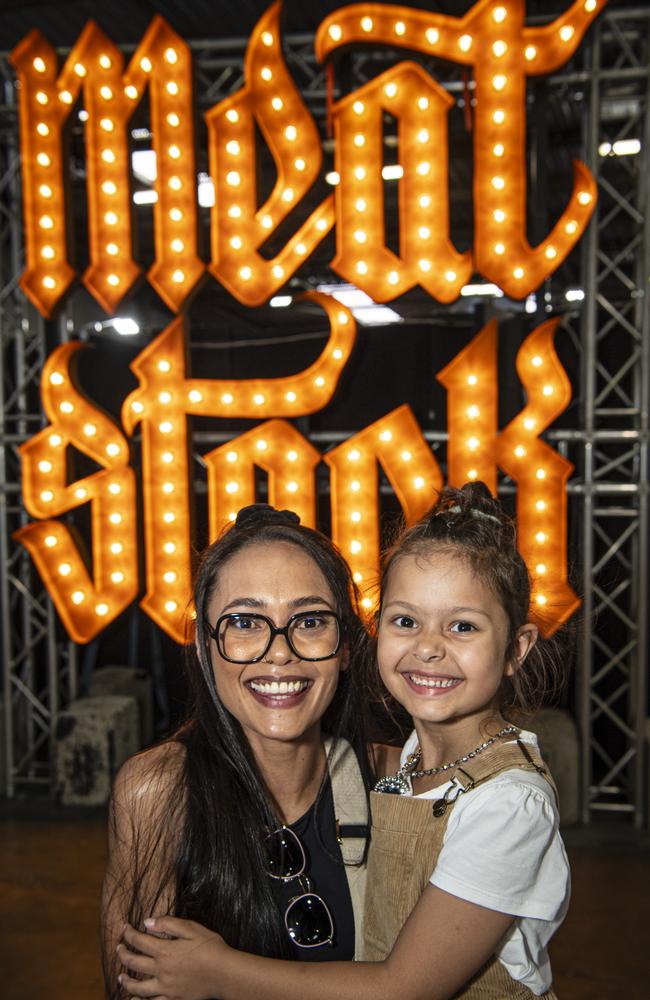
(178, 967)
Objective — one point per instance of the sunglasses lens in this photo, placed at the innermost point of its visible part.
(309, 922)
(286, 857)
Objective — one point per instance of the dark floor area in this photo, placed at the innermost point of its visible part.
(51, 871)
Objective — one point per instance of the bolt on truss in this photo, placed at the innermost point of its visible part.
(608, 495)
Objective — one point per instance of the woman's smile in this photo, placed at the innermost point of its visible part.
(279, 692)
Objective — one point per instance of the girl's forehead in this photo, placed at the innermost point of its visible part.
(440, 573)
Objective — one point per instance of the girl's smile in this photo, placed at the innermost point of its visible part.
(431, 686)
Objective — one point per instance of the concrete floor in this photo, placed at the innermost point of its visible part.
(51, 870)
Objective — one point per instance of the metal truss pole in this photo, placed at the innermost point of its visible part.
(615, 374)
(38, 668)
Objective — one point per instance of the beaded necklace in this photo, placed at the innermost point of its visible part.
(396, 784)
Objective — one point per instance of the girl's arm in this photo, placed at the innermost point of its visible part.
(443, 944)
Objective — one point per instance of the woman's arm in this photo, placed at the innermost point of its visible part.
(142, 835)
(443, 944)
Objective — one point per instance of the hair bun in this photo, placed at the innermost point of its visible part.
(263, 513)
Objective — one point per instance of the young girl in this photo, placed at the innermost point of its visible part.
(468, 878)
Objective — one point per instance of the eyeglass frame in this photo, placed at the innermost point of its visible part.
(306, 890)
(275, 631)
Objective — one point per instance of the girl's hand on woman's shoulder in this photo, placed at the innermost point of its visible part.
(179, 965)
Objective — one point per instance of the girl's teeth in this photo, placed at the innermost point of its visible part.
(433, 682)
(278, 687)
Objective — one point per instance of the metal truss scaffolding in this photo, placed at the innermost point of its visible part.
(615, 399)
(609, 494)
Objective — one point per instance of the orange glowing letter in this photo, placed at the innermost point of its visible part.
(162, 402)
(492, 39)
(86, 605)
(281, 451)
(471, 381)
(541, 475)
(239, 227)
(396, 442)
(475, 449)
(162, 62)
(427, 255)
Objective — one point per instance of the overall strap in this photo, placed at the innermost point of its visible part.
(516, 755)
(352, 824)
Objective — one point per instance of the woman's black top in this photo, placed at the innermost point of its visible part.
(327, 877)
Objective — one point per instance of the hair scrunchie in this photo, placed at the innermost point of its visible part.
(262, 513)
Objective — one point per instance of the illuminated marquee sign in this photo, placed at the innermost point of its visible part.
(491, 38)
(166, 397)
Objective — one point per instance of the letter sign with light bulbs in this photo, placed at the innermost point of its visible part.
(491, 38)
(503, 52)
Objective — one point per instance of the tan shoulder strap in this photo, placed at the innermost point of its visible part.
(350, 799)
(503, 757)
(350, 810)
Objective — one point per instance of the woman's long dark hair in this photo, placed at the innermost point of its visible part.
(204, 848)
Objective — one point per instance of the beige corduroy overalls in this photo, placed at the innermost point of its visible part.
(407, 837)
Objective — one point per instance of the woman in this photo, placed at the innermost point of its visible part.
(258, 804)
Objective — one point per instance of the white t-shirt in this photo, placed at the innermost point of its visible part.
(502, 850)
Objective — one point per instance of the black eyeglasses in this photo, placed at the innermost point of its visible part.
(246, 637)
(307, 918)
